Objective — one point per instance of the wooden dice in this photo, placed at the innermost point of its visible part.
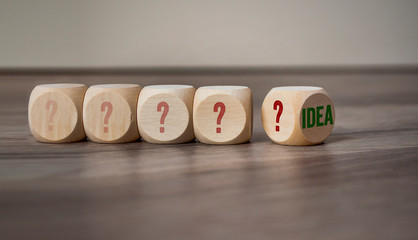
(298, 115)
(55, 112)
(118, 113)
(165, 113)
(109, 113)
(223, 114)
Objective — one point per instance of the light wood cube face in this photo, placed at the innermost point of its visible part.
(55, 112)
(165, 113)
(298, 115)
(109, 113)
(223, 114)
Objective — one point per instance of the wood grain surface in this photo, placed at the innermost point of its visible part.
(361, 184)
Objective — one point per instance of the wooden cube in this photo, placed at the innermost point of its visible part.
(109, 113)
(298, 115)
(165, 113)
(223, 114)
(55, 112)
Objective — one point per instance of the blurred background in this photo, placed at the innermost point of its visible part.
(361, 184)
(51, 34)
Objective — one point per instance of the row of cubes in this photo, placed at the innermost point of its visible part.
(119, 113)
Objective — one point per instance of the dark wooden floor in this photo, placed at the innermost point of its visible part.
(361, 184)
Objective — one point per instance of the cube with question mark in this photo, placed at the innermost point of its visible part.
(223, 114)
(55, 112)
(109, 113)
(298, 115)
(165, 113)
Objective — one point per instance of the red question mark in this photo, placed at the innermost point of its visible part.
(164, 115)
(221, 114)
(109, 107)
(51, 115)
(279, 113)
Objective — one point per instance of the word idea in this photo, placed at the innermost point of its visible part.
(298, 115)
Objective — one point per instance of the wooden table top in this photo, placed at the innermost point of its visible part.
(361, 184)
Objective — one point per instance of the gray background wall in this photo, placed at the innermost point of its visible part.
(124, 33)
